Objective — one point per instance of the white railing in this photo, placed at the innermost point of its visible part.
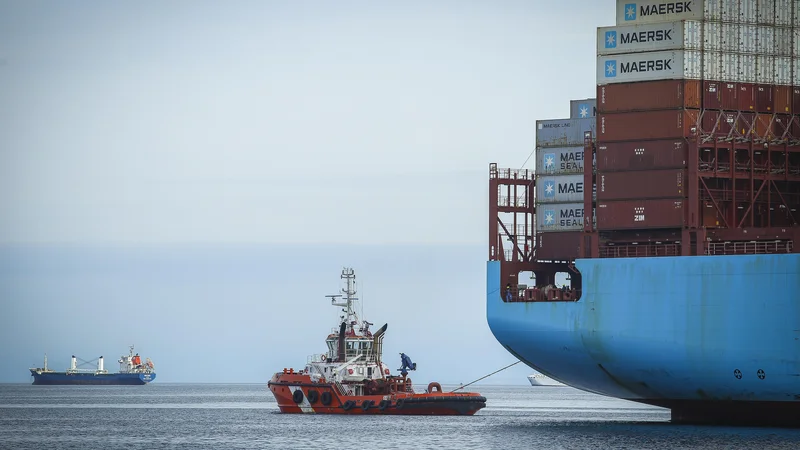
(749, 248)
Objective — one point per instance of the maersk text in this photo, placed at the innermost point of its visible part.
(665, 8)
(645, 36)
(645, 66)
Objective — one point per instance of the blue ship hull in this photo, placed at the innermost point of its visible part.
(714, 338)
(63, 378)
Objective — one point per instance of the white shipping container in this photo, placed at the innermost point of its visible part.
(581, 109)
(747, 38)
(783, 41)
(559, 217)
(730, 37)
(784, 11)
(712, 65)
(783, 70)
(559, 189)
(650, 37)
(652, 11)
(634, 67)
(730, 68)
(765, 69)
(796, 72)
(796, 41)
(563, 132)
(765, 40)
(747, 68)
(730, 11)
(712, 36)
(765, 12)
(748, 11)
(559, 160)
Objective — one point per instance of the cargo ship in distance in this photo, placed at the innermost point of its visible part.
(664, 266)
(132, 371)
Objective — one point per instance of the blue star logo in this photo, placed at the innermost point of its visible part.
(549, 217)
(549, 160)
(611, 68)
(611, 39)
(630, 11)
(549, 189)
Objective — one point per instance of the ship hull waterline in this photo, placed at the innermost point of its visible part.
(716, 339)
(109, 379)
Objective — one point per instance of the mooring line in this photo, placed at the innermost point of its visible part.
(479, 379)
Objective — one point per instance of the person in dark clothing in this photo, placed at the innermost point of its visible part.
(509, 296)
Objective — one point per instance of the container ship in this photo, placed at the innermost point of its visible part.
(132, 371)
(650, 254)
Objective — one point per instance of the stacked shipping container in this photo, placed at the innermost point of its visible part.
(559, 181)
(718, 69)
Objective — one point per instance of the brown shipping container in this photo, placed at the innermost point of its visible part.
(744, 124)
(649, 95)
(746, 97)
(558, 246)
(640, 214)
(712, 95)
(730, 99)
(664, 124)
(641, 155)
(781, 126)
(641, 184)
(796, 100)
(783, 99)
(718, 123)
(763, 127)
(764, 100)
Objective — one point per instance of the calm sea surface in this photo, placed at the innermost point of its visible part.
(238, 416)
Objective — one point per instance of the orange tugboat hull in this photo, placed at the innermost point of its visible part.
(298, 393)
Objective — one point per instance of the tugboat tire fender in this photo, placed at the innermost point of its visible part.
(297, 396)
(400, 403)
(326, 398)
(384, 404)
(313, 396)
(367, 404)
(348, 404)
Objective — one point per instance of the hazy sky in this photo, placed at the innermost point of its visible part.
(259, 121)
(132, 125)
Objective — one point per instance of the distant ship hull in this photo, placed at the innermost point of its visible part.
(714, 338)
(538, 379)
(107, 379)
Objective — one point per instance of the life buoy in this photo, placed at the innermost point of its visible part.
(323, 358)
(313, 396)
(326, 398)
(386, 371)
(297, 396)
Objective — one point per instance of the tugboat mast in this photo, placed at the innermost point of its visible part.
(351, 317)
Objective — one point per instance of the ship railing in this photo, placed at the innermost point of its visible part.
(749, 247)
(342, 389)
(639, 250)
(510, 174)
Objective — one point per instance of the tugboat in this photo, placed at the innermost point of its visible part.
(351, 378)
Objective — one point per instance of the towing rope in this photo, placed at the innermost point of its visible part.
(479, 379)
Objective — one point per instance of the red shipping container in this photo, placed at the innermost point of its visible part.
(762, 128)
(718, 123)
(649, 95)
(745, 124)
(712, 95)
(641, 184)
(764, 101)
(746, 97)
(663, 124)
(730, 96)
(782, 96)
(781, 126)
(640, 214)
(796, 100)
(641, 155)
(558, 245)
